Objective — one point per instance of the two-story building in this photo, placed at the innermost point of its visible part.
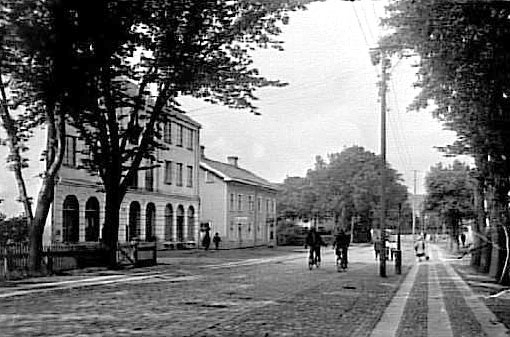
(162, 204)
(237, 204)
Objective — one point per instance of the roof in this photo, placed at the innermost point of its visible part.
(130, 90)
(230, 172)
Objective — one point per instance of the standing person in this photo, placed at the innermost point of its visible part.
(216, 240)
(314, 241)
(463, 239)
(206, 241)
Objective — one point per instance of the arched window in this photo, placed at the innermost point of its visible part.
(71, 220)
(191, 223)
(169, 222)
(150, 222)
(180, 223)
(134, 221)
(92, 220)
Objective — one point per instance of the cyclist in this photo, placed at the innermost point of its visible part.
(341, 245)
(314, 241)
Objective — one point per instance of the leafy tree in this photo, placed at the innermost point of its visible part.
(35, 70)
(119, 66)
(13, 229)
(345, 187)
(464, 70)
(450, 194)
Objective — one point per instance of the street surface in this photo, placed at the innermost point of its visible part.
(252, 292)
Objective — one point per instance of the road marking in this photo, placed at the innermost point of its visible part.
(438, 321)
(95, 281)
(389, 322)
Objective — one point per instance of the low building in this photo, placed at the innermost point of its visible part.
(237, 204)
(162, 204)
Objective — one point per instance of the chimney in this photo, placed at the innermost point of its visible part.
(232, 160)
(202, 151)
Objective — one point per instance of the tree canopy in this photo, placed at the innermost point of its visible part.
(346, 186)
(463, 49)
(113, 69)
(450, 194)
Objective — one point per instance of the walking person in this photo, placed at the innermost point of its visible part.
(206, 241)
(216, 240)
(419, 248)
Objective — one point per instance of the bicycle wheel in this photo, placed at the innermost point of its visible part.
(338, 264)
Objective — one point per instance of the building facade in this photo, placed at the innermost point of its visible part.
(237, 204)
(162, 204)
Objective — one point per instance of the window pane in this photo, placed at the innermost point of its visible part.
(168, 172)
(189, 176)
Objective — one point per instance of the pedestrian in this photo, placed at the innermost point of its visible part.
(206, 241)
(216, 240)
(463, 240)
(419, 248)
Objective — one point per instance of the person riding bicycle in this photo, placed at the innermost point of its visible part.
(341, 245)
(314, 241)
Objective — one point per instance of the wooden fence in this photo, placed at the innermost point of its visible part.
(60, 257)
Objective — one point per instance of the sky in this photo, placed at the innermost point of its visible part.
(331, 102)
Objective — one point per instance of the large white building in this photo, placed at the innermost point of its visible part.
(237, 204)
(163, 204)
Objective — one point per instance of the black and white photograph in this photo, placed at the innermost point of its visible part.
(255, 168)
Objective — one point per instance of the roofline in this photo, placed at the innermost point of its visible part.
(230, 179)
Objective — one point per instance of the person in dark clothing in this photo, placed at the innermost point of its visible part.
(341, 244)
(216, 240)
(206, 241)
(314, 241)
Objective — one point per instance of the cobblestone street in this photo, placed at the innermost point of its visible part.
(260, 292)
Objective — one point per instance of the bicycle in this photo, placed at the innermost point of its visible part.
(341, 260)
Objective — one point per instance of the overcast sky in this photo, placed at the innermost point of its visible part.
(331, 102)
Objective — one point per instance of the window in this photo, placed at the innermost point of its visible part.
(259, 204)
(179, 175)
(87, 156)
(134, 181)
(180, 130)
(240, 202)
(70, 151)
(149, 177)
(167, 133)
(168, 172)
(250, 203)
(232, 202)
(190, 137)
(189, 178)
(267, 205)
(209, 177)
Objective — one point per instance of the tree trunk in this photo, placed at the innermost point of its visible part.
(36, 229)
(479, 224)
(485, 256)
(499, 211)
(111, 226)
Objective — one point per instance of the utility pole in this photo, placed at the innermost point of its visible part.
(414, 204)
(384, 65)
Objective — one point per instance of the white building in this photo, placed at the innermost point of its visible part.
(162, 205)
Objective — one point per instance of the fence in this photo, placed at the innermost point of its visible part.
(137, 253)
(60, 257)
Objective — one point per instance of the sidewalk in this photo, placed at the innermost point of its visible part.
(435, 301)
